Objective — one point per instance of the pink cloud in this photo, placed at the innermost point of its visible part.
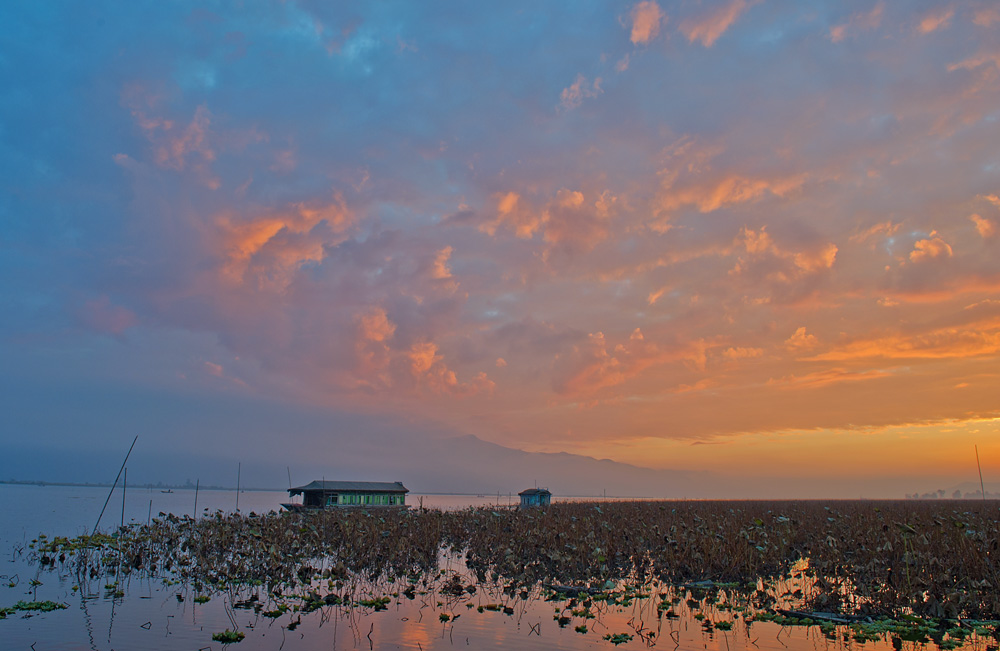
(102, 315)
(935, 19)
(860, 21)
(709, 26)
(986, 16)
(646, 19)
(573, 95)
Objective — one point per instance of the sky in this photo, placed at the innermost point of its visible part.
(758, 240)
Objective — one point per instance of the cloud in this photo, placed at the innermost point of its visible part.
(882, 230)
(823, 379)
(596, 364)
(568, 221)
(973, 62)
(942, 343)
(801, 341)
(646, 19)
(515, 215)
(440, 269)
(712, 194)
(986, 16)
(269, 249)
(572, 96)
(101, 315)
(709, 26)
(737, 353)
(930, 248)
(984, 226)
(860, 21)
(935, 19)
(575, 224)
(809, 260)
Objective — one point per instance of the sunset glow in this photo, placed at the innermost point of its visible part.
(757, 239)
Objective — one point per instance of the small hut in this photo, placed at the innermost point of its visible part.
(335, 494)
(535, 497)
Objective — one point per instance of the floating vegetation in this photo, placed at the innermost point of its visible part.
(228, 637)
(28, 606)
(865, 570)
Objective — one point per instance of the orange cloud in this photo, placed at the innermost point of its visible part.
(271, 248)
(865, 20)
(930, 248)
(596, 364)
(570, 220)
(945, 343)
(985, 227)
(935, 20)
(646, 18)
(737, 353)
(759, 244)
(440, 269)
(801, 341)
(733, 189)
(374, 325)
(710, 26)
(812, 261)
(515, 215)
(884, 229)
(572, 96)
(822, 379)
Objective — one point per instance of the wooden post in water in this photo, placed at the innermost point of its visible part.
(982, 488)
(149, 513)
(98, 523)
(197, 483)
(124, 485)
(239, 469)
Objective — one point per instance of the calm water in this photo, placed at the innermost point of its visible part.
(150, 615)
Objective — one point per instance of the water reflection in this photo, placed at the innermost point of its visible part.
(514, 582)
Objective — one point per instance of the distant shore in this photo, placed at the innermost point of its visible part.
(158, 486)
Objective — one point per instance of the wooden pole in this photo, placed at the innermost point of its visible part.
(124, 486)
(197, 484)
(98, 523)
(239, 470)
(982, 488)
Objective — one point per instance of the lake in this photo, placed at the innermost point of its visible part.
(139, 612)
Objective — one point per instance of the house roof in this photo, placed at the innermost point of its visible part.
(359, 486)
(536, 491)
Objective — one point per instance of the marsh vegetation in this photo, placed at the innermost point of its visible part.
(913, 570)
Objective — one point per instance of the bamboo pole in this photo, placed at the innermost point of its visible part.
(110, 492)
(124, 486)
(982, 488)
